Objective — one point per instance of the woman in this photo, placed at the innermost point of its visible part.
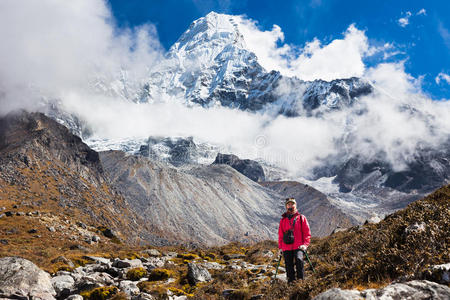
(292, 244)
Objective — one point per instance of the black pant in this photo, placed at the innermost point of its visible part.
(291, 256)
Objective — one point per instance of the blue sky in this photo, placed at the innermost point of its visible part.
(422, 38)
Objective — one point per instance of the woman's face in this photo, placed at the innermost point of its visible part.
(291, 207)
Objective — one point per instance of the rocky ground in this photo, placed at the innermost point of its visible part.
(405, 255)
(177, 275)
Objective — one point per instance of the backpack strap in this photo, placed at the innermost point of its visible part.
(301, 226)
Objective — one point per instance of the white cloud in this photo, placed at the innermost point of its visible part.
(445, 34)
(342, 58)
(403, 22)
(442, 77)
(422, 12)
(55, 46)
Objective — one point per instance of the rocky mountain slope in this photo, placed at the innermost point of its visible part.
(45, 168)
(207, 204)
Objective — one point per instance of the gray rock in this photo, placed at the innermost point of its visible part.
(98, 260)
(177, 297)
(247, 167)
(197, 274)
(63, 285)
(172, 254)
(95, 238)
(109, 233)
(235, 267)
(93, 280)
(416, 289)
(2, 215)
(152, 252)
(82, 225)
(155, 262)
(282, 277)
(74, 297)
(129, 287)
(79, 247)
(439, 273)
(338, 294)
(415, 228)
(143, 296)
(20, 214)
(51, 229)
(127, 263)
(20, 278)
(211, 265)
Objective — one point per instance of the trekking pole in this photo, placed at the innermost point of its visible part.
(276, 271)
(307, 257)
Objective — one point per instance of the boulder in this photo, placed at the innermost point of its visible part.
(197, 274)
(63, 285)
(338, 294)
(98, 260)
(127, 263)
(143, 296)
(22, 279)
(416, 289)
(211, 265)
(152, 252)
(109, 233)
(439, 273)
(129, 287)
(171, 254)
(415, 228)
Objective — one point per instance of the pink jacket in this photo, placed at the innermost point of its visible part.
(301, 226)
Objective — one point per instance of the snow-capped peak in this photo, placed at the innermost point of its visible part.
(214, 29)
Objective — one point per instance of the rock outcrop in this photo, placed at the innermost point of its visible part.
(22, 279)
(247, 167)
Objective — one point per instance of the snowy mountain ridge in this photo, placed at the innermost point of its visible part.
(211, 65)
